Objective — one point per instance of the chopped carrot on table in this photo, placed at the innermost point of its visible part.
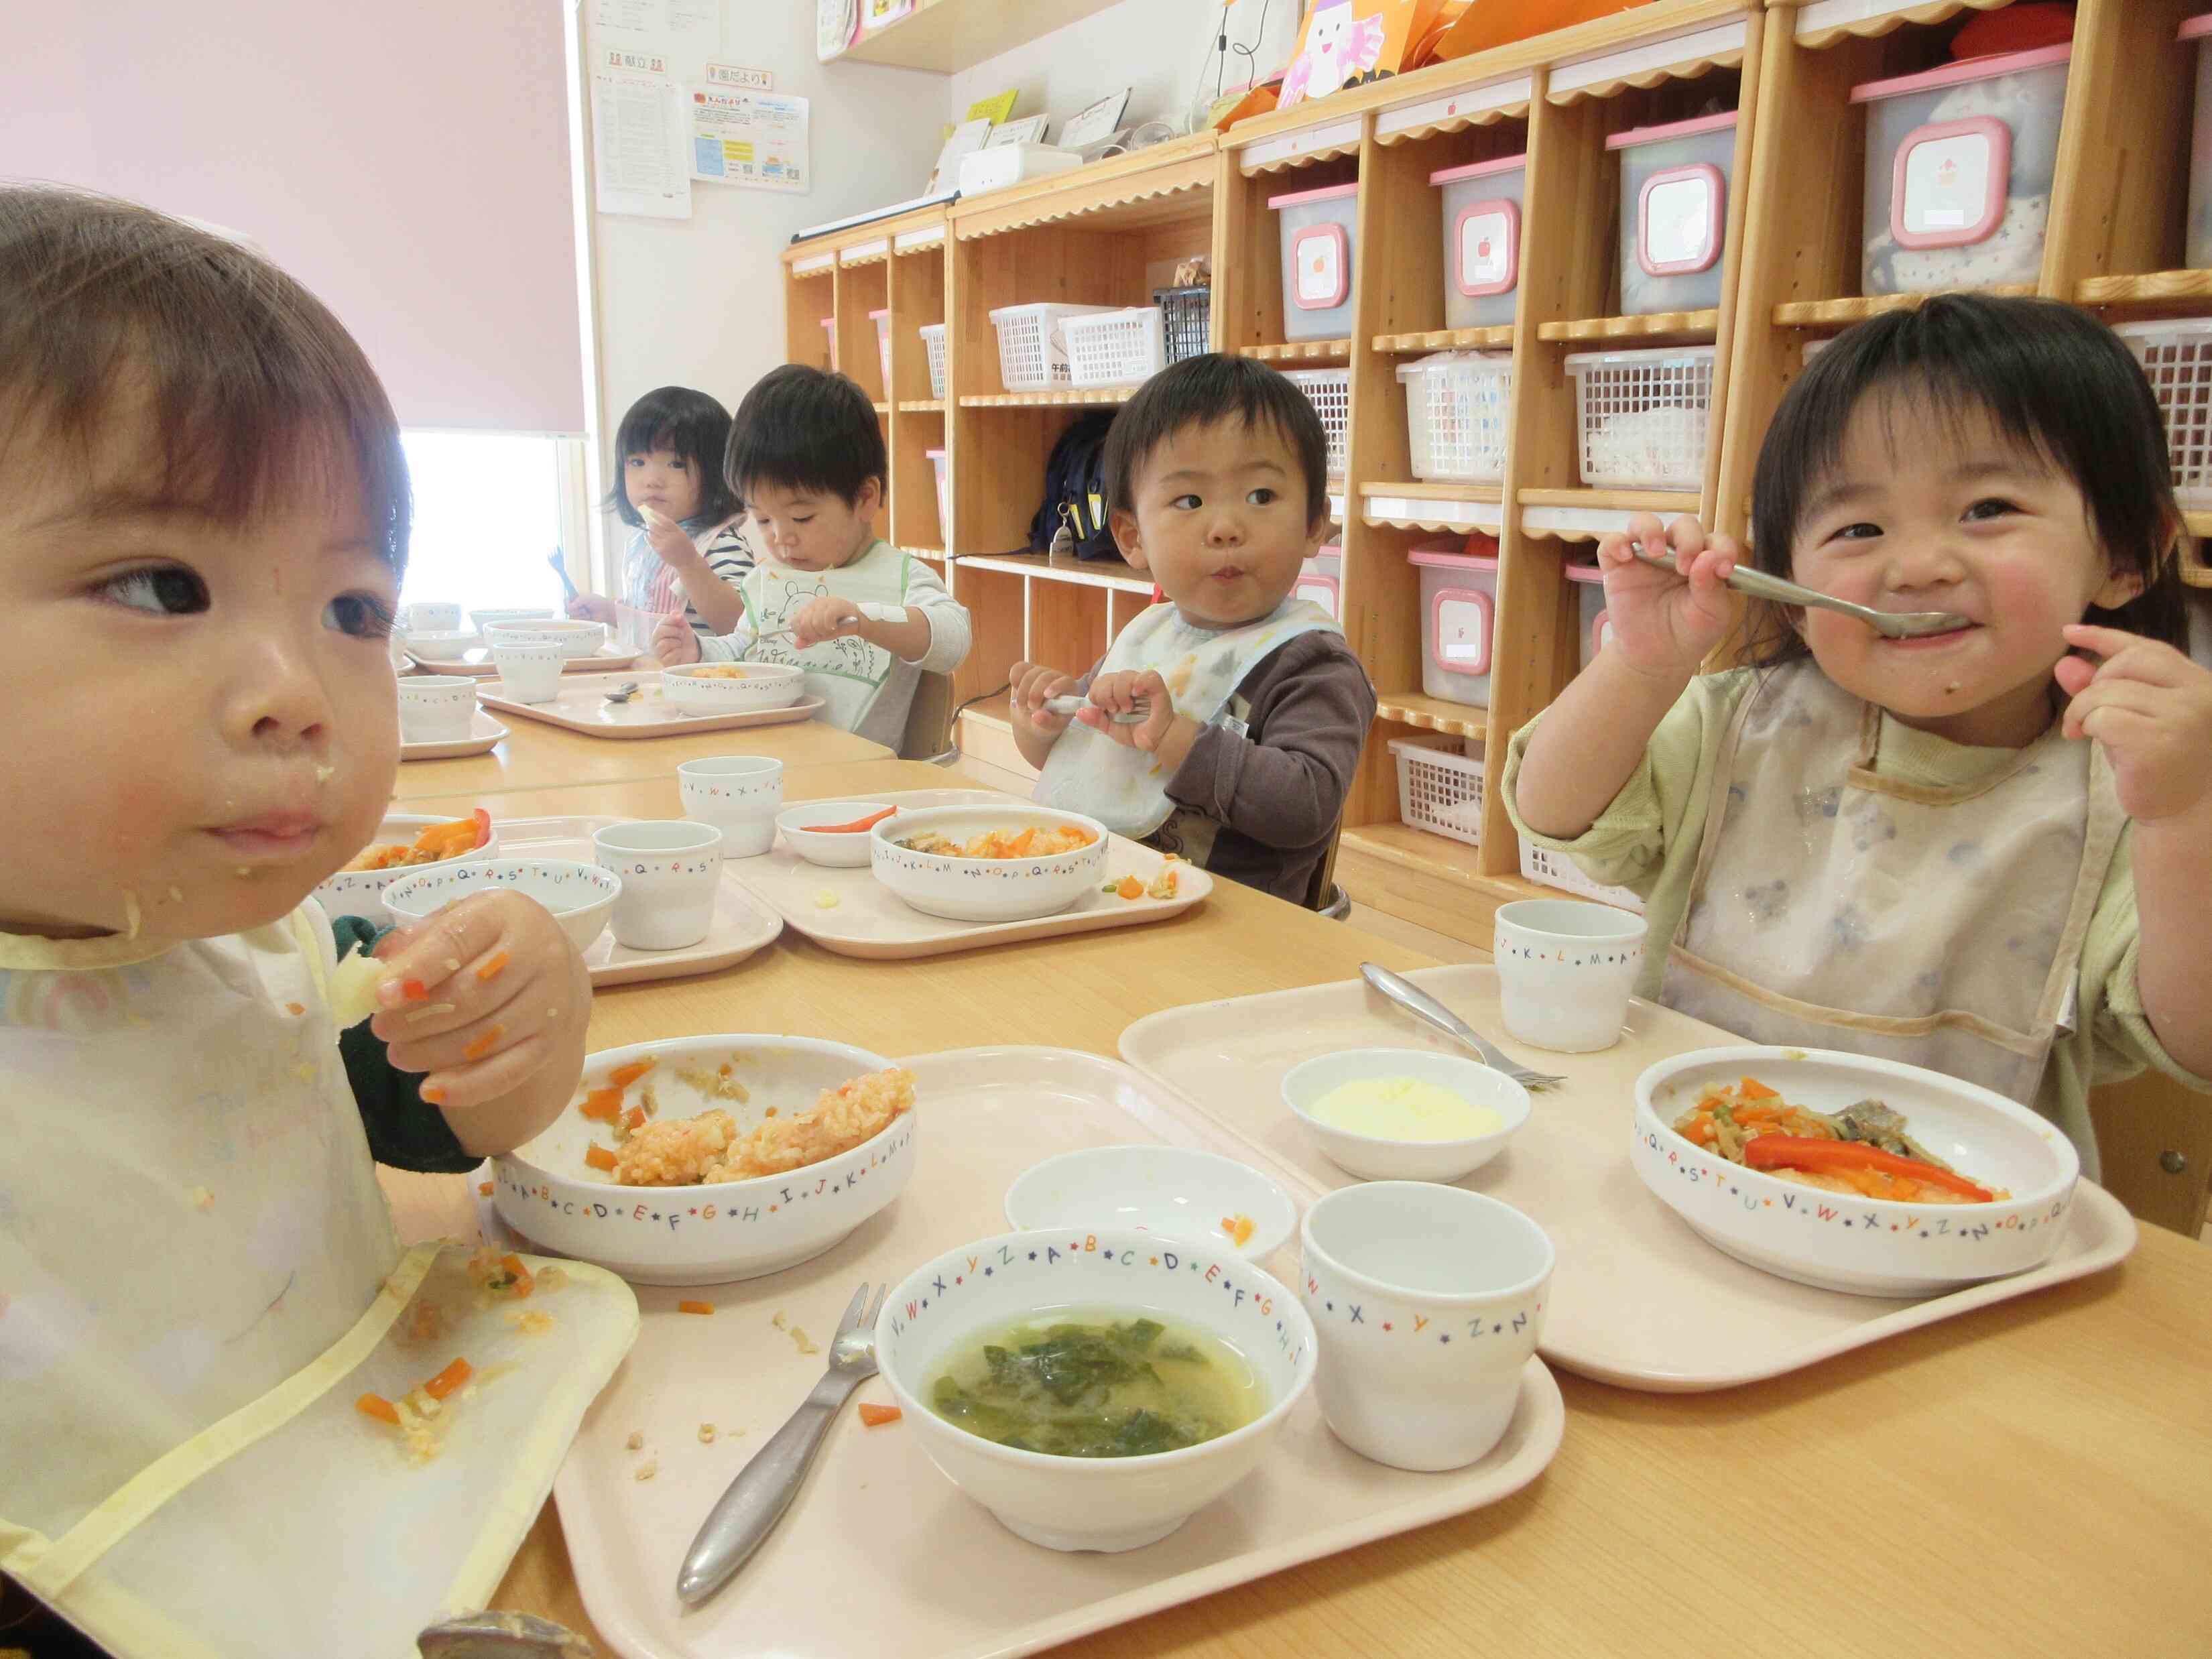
(376, 1405)
(694, 1307)
(449, 1379)
(1129, 888)
(875, 1417)
(484, 1187)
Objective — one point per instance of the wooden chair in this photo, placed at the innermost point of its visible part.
(929, 722)
(2155, 1138)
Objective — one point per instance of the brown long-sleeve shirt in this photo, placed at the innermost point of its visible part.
(1259, 809)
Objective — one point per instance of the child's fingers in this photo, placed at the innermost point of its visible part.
(423, 957)
(501, 1072)
(2074, 674)
(1687, 536)
(2130, 656)
(1615, 550)
(2131, 697)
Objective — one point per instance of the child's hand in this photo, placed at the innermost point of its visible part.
(1128, 692)
(1034, 684)
(674, 644)
(670, 540)
(484, 996)
(1664, 624)
(824, 619)
(2152, 709)
(593, 607)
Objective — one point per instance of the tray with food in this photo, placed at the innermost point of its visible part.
(919, 873)
(909, 1478)
(1680, 1268)
(475, 662)
(654, 704)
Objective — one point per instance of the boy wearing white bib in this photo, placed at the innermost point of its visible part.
(864, 620)
(1254, 707)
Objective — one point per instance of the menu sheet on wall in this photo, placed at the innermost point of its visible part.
(638, 137)
(744, 137)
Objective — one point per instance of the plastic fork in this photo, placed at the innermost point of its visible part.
(1890, 624)
(1423, 1007)
(742, 1519)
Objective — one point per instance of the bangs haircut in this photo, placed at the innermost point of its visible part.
(1203, 390)
(694, 427)
(240, 388)
(808, 430)
(2055, 383)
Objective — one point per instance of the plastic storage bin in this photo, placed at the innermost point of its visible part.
(1033, 344)
(1187, 315)
(1329, 390)
(1645, 416)
(2199, 256)
(1320, 579)
(2178, 358)
(1589, 586)
(1674, 182)
(829, 331)
(1116, 348)
(1459, 613)
(1439, 789)
(944, 498)
(1541, 864)
(932, 342)
(1317, 227)
(882, 320)
(1458, 410)
(1482, 240)
(1960, 161)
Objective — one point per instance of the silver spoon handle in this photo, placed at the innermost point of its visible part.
(743, 1517)
(1757, 585)
(1423, 1007)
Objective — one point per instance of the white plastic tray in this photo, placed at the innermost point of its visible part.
(583, 705)
(485, 735)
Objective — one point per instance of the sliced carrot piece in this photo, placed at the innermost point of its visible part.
(694, 1307)
(494, 966)
(484, 1187)
(1752, 1089)
(875, 1417)
(413, 990)
(623, 1076)
(633, 1119)
(605, 1104)
(598, 1158)
(376, 1405)
(1129, 887)
(449, 1379)
(483, 1045)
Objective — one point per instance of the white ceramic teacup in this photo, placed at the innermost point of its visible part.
(436, 709)
(1565, 969)
(1426, 1303)
(428, 618)
(529, 674)
(671, 872)
(739, 796)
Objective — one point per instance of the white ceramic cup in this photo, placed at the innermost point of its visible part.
(671, 872)
(1426, 1303)
(1564, 971)
(529, 674)
(436, 709)
(739, 796)
(424, 618)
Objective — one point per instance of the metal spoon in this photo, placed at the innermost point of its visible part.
(1890, 624)
(1069, 708)
(622, 693)
(501, 1636)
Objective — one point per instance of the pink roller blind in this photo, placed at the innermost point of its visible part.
(406, 159)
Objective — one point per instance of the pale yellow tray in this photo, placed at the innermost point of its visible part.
(741, 923)
(880, 1557)
(1637, 1299)
(869, 921)
(478, 665)
(583, 705)
(485, 735)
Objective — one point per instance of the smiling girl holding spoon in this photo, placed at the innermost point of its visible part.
(1981, 850)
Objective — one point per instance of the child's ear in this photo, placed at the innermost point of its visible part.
(1127, 538)
(1317, 532)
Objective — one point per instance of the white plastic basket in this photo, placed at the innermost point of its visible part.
(1457, 412)
(1439, 789)
(2178, 358)
(1329, 390)
(882, 320)
(1116, 348)
(944, 497)
(1033, 344)
(932, 342)
(1645, 416)
(1556, 870)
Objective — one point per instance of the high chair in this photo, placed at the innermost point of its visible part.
(2155, 1139)
(928, 735)
(1323, 897)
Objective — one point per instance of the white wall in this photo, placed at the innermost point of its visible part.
(1156, 47)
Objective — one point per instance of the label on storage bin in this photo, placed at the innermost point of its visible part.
(1323, 274)
(1678, 221)
(1947, 188)
(1461, 625)
(1489, 248)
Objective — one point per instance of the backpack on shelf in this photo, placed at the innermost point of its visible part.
(1072, 520)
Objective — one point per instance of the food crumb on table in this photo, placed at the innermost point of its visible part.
(825, 900)
(647, 1469)
(636, 1441)
(776, 1319)
(201, 1198)
(706, 1434)
(806, 1344)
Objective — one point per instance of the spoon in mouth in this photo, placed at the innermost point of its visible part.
(1890, 624)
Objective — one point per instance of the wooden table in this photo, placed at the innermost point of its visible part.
(535, 754)
(2034, 1477)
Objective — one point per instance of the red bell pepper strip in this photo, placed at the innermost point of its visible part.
(1817, 1157)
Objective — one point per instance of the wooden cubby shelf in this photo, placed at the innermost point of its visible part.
(1432, 506)
(1300, 351)
(1092, 397)
(1648, 330)
(1084, 572)
(1842, 314)
(1433, 714)
(883, 408)
(921, 405)
(1445, 339)
(2173, 293)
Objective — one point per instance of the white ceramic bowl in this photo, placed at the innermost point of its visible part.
(706, 1234)
(360, 892)
(1168, 1192)
(986, 890)
(1873, 1247)
(765, 686)
(442, 647)
(576, 639)
(484, 619)
(1376, 1158)
(577, 895)
(1107, 1504)
(849, 850)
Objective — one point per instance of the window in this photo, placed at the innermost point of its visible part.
(488, 510)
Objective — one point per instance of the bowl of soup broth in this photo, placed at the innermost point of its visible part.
(1094, 1389)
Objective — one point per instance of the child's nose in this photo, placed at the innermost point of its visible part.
(1227, 530)
(281, 699)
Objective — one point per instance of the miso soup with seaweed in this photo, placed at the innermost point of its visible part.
(1103, 1385)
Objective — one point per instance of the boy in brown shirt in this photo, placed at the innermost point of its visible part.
(1253, 708)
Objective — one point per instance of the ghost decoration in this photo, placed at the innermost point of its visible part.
(1339, 43)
